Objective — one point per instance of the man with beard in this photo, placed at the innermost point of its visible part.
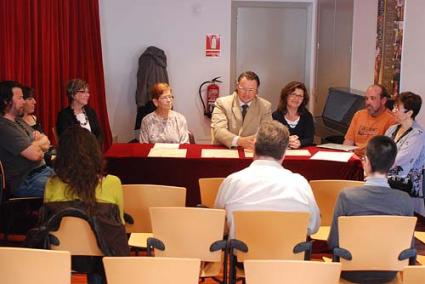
(21, 148)
(373, 120)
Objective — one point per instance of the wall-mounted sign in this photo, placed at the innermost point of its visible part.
(212, 45)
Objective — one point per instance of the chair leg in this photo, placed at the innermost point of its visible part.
(232, 269)
(9, 218)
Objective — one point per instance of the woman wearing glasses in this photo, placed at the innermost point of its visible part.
(163, 125)
(410, 139)
(78, 112)
(293, 113)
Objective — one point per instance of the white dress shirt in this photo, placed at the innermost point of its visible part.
(266, 185)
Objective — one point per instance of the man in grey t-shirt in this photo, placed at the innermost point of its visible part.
(21, 148)
(374, 198)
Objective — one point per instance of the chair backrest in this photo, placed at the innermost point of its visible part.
(375, 242)
(270, 234)
(188, 232)
(191, 137)
(414, 274)
(76, 236)
(151, 270)
(326, 192)
(139, 197)
(291, 272)
(23, 265)
(208, 188)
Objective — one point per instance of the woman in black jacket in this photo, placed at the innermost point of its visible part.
(78, 112)
(293, 113)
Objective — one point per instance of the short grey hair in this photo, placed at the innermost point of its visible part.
(272, 140)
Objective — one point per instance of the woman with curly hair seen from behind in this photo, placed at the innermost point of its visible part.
(79, 168)
(292, 113)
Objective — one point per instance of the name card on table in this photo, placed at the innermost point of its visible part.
(219, 153)
(332, 156)
(166, 145)
(167, 153)
(302, 152)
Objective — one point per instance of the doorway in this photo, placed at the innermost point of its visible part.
(273, 39)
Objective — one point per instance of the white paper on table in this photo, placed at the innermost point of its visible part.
(166, 146)
(170, 153)
(298, 153)
(332, 156)
(248, 153)
(219, 153)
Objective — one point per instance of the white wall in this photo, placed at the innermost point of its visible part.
(363, 43)
(413, 57)
(128, 27)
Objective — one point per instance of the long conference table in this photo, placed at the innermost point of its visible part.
(130, 162)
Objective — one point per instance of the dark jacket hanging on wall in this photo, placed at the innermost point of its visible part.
(152, 69)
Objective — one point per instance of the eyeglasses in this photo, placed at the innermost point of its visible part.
(396, 108)
(166, 98)
(83, 91)
(296, 95)
(249, 91)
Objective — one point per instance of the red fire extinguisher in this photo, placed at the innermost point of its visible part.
(213, 92)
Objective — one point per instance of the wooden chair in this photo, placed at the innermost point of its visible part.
(76, 236)
(291, 272)
(414, 274)
(326, 192)
(268, 235)
(208, 188)
(378, 243)
(151, 270)
(190, 233)
(138, 198)
(11, 206)
(22, 266)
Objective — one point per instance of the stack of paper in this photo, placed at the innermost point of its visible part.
(302, 152)
(219, 153)
(169, 153)
(332, 156)
(166, 145)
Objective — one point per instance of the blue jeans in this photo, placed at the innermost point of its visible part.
(33, 185)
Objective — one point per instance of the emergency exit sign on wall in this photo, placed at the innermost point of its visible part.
(212, 45)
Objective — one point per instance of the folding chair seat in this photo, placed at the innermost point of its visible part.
(326, 193)
(190, 233)
(208, 188)
(138, 198)
(374, 243)
(24, 265)
(291, 272)
(414, 274)
(151, 270)
(268, 235)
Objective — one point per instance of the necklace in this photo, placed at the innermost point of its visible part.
(80, 119)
